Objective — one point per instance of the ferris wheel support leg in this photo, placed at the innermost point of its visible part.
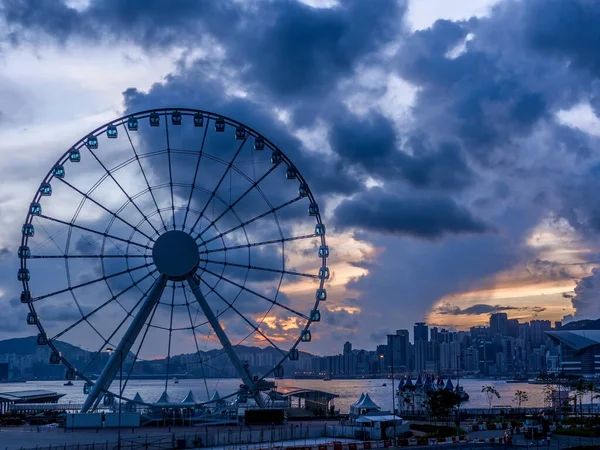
(225, 342)
(112, 366)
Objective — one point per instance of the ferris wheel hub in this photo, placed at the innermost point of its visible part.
(175, 254)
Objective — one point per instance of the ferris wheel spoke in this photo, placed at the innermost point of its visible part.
(85, 317)
(86, 256)
(239, 199)
(193, 328)
(214, 192)
(91, 230)
(87, 283)
(254, 219)
(258, 244)
(170, 172)
(137, 157)
(108, 373)
(264, 269)
(200, 153)
(257, 294)
(244, 318)
(170, 337)
(115, 215)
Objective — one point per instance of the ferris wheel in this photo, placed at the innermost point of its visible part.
(176, 239)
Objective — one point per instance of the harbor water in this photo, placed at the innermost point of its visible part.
(348, 390)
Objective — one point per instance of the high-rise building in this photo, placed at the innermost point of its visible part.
(487, 357)
(499, 323)
(347, 348)
(538, 329)
(421, 332)
(421, 348)
(398, 350)
(513, 328)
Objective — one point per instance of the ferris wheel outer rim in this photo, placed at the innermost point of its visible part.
(142, 115)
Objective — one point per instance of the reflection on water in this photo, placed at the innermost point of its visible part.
(348, 390)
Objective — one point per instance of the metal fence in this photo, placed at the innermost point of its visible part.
(207, 437)
(149, 442)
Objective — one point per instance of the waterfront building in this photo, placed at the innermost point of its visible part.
(579, 352)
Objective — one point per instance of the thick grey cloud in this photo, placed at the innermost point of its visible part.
(586, 300)
(568, 31)
(373, 145)
(426, 217)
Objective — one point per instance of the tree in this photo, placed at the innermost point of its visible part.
(580, 387)
(520, 397)
(490, 392)
(440, 402)
(408, 397)
(550, 396)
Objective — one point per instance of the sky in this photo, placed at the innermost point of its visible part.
(453, 147)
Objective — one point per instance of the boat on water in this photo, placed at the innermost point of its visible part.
(68, 383)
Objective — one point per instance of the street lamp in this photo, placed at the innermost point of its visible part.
(459, 357)
(111, 351)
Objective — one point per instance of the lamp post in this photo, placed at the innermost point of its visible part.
(393, 392)
(110, 350)
(459, 357)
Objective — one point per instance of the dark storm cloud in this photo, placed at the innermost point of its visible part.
(569, 30)
(472, 96)
(425, 217)
(453, 310)
(372, 145)
(290, 51)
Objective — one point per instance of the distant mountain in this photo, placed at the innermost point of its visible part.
(587, 324)
(27, 360)
(28, 346)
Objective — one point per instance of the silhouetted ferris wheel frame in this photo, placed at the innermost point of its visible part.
(168, 118)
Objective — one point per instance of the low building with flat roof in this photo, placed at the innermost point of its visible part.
(27, 397)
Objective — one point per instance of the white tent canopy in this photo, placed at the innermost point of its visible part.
(163, 400)
(363, 405)
(189, 399)
(362, 397)
(215, 397)
(367, 403)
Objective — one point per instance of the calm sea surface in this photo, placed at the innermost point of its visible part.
(348, 390)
